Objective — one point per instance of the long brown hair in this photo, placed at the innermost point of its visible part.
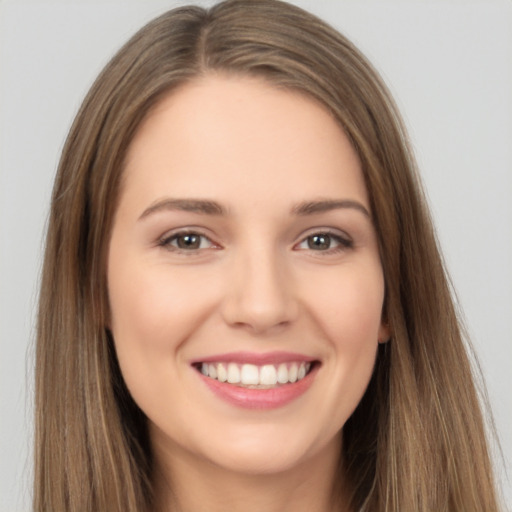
(416, 442)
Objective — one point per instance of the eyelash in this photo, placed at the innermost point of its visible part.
(167, 242)
(344, 243)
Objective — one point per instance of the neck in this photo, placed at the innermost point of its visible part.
(185, 484)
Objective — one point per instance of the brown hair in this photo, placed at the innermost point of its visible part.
(416, 442)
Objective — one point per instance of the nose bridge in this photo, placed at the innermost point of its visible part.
(260, 294)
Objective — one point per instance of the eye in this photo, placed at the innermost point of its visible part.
(186, 241)
(325, 241)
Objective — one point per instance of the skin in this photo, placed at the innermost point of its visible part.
(255, 283)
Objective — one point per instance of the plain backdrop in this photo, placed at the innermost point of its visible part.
(449, 65)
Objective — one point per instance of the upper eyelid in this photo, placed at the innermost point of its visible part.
(201, 231)
(192, 230)
(185, 233)
(345, 242)
(335, 232)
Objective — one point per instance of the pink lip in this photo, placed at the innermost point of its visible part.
(259, 398)
(255, 358)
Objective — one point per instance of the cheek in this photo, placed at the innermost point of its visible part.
(154, 312)
(348, 304)
(348, 310)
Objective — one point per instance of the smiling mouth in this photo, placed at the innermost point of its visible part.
(251, 376)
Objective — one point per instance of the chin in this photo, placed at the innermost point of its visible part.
(257, 455)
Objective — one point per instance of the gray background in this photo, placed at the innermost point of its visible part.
(449, 65)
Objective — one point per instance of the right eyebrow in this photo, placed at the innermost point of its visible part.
(327, 205)
(202, 206)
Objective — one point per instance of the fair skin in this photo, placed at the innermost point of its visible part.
(243, 237)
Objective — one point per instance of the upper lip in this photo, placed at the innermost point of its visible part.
(258, 359)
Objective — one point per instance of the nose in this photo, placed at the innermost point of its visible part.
(260, 293)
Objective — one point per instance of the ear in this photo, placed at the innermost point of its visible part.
(384, 332)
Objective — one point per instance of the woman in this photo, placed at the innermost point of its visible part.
(242, 290)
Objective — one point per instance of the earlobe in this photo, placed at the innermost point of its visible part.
(384, 332)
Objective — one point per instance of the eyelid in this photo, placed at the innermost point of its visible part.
(343, 239)
(165, 240)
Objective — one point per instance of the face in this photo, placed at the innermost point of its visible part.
(244, 277)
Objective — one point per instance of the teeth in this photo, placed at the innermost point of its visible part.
(282, 374)
(293, 372)
(222, 373)
(251, 375)
(212, 371)
(268, 375)
(233, 373)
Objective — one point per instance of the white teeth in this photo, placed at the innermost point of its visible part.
(282, 374)
(249, 374)
(212, 371)
(222, 373)
(292, 372)
(268, 375)
(233, 373)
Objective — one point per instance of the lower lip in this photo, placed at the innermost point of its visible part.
(248, 398)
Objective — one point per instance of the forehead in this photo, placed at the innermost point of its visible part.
(243, 137)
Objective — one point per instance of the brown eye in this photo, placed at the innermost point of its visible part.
(325, 242)
(319, 242)
(189, 241)
(186, 241)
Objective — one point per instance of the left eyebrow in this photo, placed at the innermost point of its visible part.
(201, 206)
(313, 207)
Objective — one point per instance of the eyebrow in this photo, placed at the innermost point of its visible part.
(313, 207)
(205, 207)
(209, 207)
